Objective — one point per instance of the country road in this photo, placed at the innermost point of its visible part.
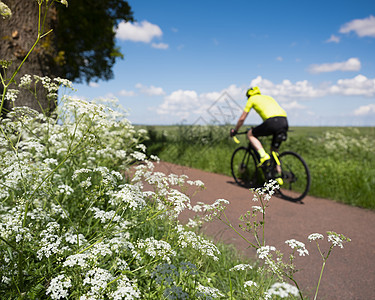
(349, 272)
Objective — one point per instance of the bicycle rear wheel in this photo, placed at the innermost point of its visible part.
(244, 170)
(296, 176)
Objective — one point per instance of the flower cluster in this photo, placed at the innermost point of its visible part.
(283, 290)
(11, 95)
(265, 192)
(337, 239)
(76, 197)
(299, 246)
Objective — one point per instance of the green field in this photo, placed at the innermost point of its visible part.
(341, 159)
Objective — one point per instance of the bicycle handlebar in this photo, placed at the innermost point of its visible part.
(236, 139)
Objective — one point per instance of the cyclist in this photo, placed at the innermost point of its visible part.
(273, 116)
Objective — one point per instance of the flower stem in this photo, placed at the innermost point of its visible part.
(320, 277)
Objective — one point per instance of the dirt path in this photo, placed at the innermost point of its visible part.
(349, 272)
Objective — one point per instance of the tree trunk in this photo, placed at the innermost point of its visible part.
(17, 36)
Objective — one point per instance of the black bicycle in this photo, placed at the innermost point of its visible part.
(287, 168)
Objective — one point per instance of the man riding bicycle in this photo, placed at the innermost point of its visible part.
(273, 116)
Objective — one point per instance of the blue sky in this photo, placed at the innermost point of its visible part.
(192, 61)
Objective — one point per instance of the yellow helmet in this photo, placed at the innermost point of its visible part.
(252, 91)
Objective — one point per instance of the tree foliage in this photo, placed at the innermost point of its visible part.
(86, 39)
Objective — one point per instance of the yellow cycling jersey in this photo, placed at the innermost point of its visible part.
(265, 106)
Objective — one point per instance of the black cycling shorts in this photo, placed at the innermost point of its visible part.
(271, 126)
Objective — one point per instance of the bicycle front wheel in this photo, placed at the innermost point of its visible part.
(296, 176)
(244, 170)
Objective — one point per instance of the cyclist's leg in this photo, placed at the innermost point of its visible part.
(254, 140)
(279, 125)
(263, 129)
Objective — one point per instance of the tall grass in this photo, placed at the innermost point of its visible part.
(341, 160)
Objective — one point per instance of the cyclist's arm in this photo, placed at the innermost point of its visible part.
(241, 120)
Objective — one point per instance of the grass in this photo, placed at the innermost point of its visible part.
(341, 159)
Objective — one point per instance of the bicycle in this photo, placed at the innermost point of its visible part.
(287, 166)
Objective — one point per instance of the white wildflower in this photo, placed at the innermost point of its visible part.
(179, 201)
(73, 238)
(62, 81)
(337, 239)
(98, 279)
(189, 238)
(156, 248)
(50, 242)
(301, 249)
(141, 147)
(258, 208)
(264, 251)
(58, 210)
(241, 267)
(65, 189)
(86, 183)
(209, 291)
(76, 259)
(51, 161)
(315, 236)
(129, 194)
(125, 290)
(25, 81)
(80, 171)
(194, 223)
(11, 95)
(138, 155)
(58, 287)
(6, 280)
(250, 284)
(105, 216)
(154, 158)
(283, 290)
(197, 183)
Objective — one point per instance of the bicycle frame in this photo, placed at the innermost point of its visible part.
(287, 168)
(274, 151)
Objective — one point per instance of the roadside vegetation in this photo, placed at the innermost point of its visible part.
(84, 216)
(341, 159)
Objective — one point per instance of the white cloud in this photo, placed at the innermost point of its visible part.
(333, 39)
(357, 86)
(138, 32)
(352, 64)
(180, 103)
(365, 110)
(293, 105)
(185, 103)
(279, 58)
(362, 27)
(150, 90)
(161, 46)
(125, 93)
(287, 90)
(189, 104)
(94, 84)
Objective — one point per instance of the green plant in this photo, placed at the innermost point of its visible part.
(253, 222)
(340, 160)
